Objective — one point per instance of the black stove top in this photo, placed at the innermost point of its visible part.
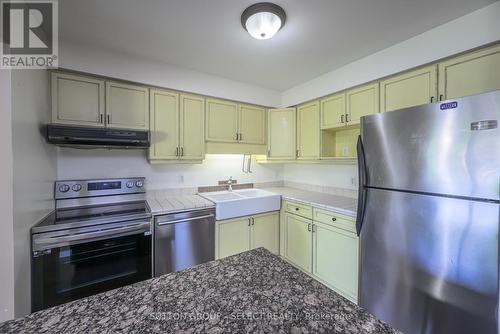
(62, 219)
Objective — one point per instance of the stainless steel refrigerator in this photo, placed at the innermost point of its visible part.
(428, 216)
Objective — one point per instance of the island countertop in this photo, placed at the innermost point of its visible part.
(254, 292)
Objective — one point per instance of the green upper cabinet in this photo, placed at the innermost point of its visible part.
(221, 121)
(335, 259)
(298, 241)
(281, 134)
(409, 89)
(77, 100)
(164, 125)
(229, 122)
(362, 101)
(232, 237)
(472, 73)
(177, 126)
(265, 231)
(333, 111)
(252, 124)
(192, 127)
(127, 106)
(308, 136)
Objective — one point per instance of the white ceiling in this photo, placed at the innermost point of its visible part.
(207, 36)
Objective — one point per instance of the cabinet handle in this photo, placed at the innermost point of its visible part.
(236, 136)
(441, 96)
(313, 228)
(334, 219)
(309, 227)
(253, 221)
(248, 221)
(297, 153)
(347, 118)
(268, 153)
(176, 151)
(182, 151)
(296, 209)
(108, 116)
(432, 99)
(101, 118)
(341, 118)
(241, 136)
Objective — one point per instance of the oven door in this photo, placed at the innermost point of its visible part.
(80, 263)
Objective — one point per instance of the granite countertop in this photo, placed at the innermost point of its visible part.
(254, 292)
(340, 204)
(161, 202)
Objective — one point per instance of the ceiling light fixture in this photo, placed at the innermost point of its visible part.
(263, 20)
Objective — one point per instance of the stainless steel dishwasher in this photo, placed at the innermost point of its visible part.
(183, 240)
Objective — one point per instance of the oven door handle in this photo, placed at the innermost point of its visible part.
(66, 240)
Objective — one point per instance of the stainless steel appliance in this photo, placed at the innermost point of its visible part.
(92, 137)
(183, 240)
(97, 239)
(428, 216)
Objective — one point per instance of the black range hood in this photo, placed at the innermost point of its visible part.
(89, 137)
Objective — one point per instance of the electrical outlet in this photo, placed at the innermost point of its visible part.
(345, 151)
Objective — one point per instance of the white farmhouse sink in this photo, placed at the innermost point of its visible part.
(244, 202)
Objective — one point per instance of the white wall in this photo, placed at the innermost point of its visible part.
(6, 227)
(467, 32)
(35, 164)
(84, 164)
(338, 176)
(117, 65)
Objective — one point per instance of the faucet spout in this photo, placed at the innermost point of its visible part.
(230, 184)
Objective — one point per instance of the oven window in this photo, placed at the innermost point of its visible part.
(77, 271)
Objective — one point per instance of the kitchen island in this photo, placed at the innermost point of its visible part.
(255, 292)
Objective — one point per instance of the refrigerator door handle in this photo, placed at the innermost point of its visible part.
(361, 187)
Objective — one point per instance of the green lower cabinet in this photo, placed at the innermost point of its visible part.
(298, 241)
(239, 235)
(265, 232)
(232, 237)
(335, 259)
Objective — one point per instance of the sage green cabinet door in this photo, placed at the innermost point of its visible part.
(333, 110)
(265, 232)
(127, 106)
(308, 135)
(252, 124)
(281, 134)
(298, 241)
(362, 101)
(473, 73)
(335, 259)
(192, 127)
(77, 100)
(164, 125)
(409, 89)
(232, 237)
(221, 121)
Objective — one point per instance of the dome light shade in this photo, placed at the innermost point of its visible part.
(263, 20)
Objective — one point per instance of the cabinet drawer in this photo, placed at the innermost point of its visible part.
(334, 219)
(299, 209)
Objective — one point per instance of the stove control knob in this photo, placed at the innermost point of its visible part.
(139, 184)
(77, 187)
(130, 184)
(64, 188)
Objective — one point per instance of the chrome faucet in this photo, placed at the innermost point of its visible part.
(230, 184)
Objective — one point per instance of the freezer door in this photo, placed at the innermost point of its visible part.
(451, 147)
(430, 264)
